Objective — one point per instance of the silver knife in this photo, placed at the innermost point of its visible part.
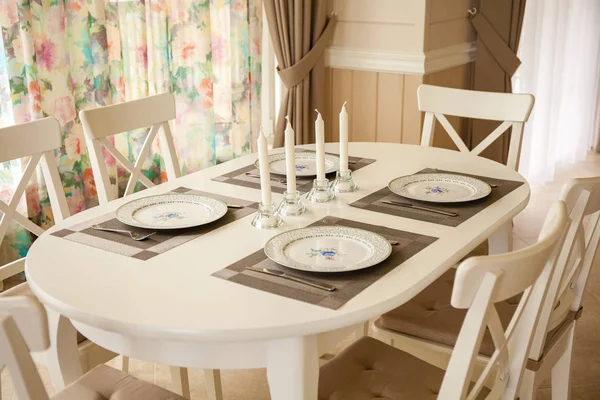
(284, 275)
(416, 207)
(280, 180)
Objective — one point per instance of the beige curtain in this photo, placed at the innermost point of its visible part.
(300, 31)
(498, 25)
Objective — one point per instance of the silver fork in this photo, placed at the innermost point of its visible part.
(134, 235)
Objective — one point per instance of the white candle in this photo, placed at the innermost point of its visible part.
(265, 174)
(343, 139)
(320, 139)
(290, 157)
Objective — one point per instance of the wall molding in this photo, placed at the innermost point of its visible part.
(412, 63)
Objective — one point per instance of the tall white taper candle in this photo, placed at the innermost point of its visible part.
(290, 157)
(320, 140)
(265, 174)
(343, 139)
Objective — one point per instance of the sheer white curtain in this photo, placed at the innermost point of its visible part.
(559, 50)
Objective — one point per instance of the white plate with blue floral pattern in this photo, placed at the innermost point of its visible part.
(171, 211)
(328, 249)
(306, 163)
(440, 188)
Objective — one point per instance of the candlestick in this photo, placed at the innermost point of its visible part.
(321, 192)
(320, 140)
(291, 204)
(267, 217)
(344, 138)
(265, 174)
(290, 157)
(344, 182)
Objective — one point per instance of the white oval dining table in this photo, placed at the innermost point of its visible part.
(170, 310)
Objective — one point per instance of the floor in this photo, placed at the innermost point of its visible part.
(252, 384)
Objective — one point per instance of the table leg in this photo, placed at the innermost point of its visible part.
(63, 355)
(293, 368)
(501, 240)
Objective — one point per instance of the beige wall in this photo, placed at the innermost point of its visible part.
(393, 25)
(382, 105)
(447, 23)
(402, 25)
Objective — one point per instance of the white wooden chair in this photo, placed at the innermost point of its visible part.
(24, 328)
(100, 123)
(371, 369)
(436, 102)
(552, 347)
(38, 139)
(512, 109)
(550, 355)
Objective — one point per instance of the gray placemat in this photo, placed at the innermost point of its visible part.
(465, 210)
(348, 284)
(239, 177)
(161, 242)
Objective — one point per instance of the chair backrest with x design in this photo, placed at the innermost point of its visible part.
(37, 139)
(576, 257)
(23, 329)
(512, 109)
(100, 123)
(480, 283)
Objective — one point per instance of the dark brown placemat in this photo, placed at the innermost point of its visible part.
(465, 210)
(348, 284)
(239, 177)
(161, 242)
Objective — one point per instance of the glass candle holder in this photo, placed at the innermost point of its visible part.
(267, 217)
(344, 182)
(291, 204)
(321, 192)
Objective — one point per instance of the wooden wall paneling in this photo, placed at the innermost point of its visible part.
(412, 118)
(389, 107)
(341, 84)
(364, 106)
(327, 113)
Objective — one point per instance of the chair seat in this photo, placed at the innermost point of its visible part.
(430, 316)
(23, 289)
(372, 370)
(103, 382)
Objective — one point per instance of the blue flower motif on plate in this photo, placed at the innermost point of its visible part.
(328, 253)
(169, 215)
(436, 190)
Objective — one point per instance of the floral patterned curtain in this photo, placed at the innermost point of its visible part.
(58, 57)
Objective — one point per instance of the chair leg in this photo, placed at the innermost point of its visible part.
(1, 369)
(214, 389)
(125, 364)
(528, 389)
(561, 372)
(180, 381)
